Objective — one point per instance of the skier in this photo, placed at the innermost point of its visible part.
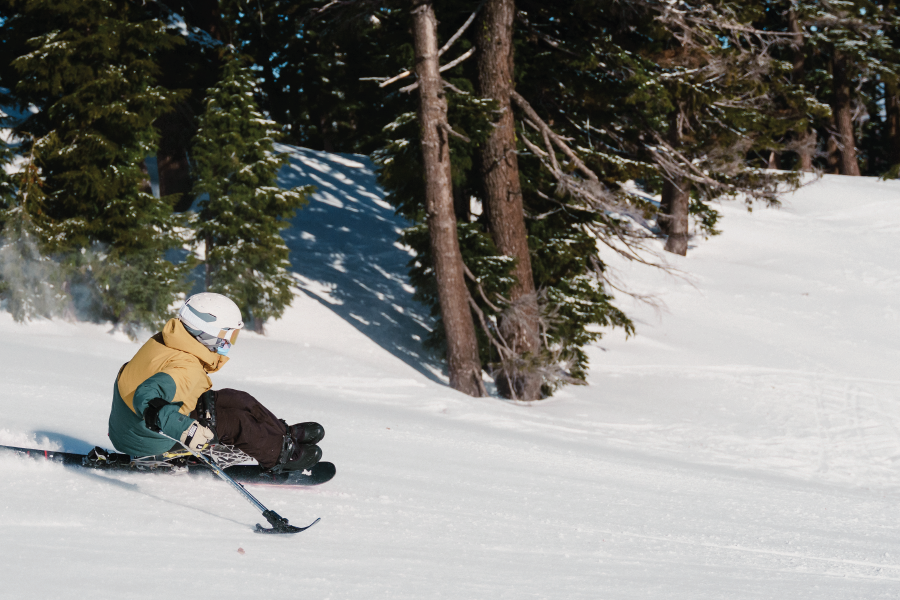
(165, 387)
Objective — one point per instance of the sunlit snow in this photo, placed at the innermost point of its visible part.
(745, 444)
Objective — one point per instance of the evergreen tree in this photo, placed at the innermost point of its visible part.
(614, 102)
(880, 136)
(890, 126)
(313, 66)
(92, 75)
(31, 284)
(851, 63)
(568, 273)
(192, 66)
(672, 97)
(244, 210)
(7, 190)
(504, 206)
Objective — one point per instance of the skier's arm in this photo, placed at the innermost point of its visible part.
(156, 394)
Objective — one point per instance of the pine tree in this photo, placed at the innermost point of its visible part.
(92, 75)
(192, 66)
(449, 270)
(879, 139)
(313, 67)
(7, 189)
(602, 88)
(31, 284)
(890, 125)
(851, 63)
(244, 210)
(573, 299)
(503, 199)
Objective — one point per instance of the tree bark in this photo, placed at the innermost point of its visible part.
(892, 106)
(453, 296)
(807, 148)
(675, 202)
(832, 151)
(676, 198)
(843, 115)
(503, 195)
(807, 145)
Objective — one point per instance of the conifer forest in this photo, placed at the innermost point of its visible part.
(524, 142)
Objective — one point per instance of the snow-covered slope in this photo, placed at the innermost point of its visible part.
(744, 445)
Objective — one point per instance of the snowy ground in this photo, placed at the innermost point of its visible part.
(744, 445)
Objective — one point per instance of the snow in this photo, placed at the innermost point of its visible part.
(744, 444)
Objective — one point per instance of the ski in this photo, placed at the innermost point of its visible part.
(180, 462)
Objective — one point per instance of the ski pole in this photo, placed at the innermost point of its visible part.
(279, 524)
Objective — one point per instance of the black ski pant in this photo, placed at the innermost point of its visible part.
(243, 422)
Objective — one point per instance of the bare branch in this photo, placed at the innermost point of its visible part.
(520, 17)
(480, 289)
(463, 57)
(446, 47)
(461, 30)
(447, 84)
(531, 146)
(316, 12)
(551, 153)
(532, 114)
(456, 134)
(395, 78)
(446, 67)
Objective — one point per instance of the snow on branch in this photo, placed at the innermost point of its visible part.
(615, 214)
(443, 49)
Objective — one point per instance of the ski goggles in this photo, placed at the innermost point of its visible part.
(229, 335)
(221, 343)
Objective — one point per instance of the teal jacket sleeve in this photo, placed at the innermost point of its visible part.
(161, 385)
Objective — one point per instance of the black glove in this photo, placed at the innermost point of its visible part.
(206, 409)
(151, 414)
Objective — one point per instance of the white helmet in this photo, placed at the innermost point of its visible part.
(213, 319)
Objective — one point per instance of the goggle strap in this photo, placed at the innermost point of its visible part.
(229, 334)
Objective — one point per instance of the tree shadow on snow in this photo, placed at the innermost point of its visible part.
(344, 253)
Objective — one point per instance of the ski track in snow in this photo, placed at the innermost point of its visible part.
(745, 444)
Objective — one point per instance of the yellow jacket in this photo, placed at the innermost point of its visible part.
(171, 366)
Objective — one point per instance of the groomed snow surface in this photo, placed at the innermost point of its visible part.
(744, 444)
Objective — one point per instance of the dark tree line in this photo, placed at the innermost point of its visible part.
(522, 139)
(101, 79)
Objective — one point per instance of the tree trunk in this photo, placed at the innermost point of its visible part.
(172, 160)
(676, 198)
(503, 195)
(807, 145)
(892, 106)
(453, 296)
(665, 207)
(175, 128)
(326, 133)
(806, 150)
(832, 150)
(207, 270)
(462, 205)
(843, 115)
